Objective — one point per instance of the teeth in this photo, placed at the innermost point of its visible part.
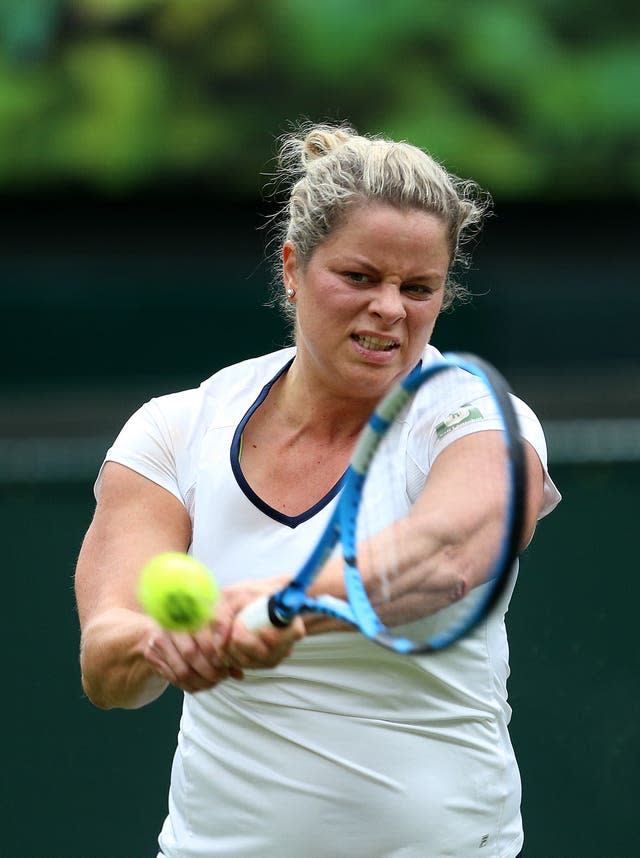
(376, 343)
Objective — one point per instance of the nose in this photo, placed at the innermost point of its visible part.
(387, 304)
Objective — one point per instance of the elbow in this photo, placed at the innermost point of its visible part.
(460, 586)
(111, 686)
(458, 574)
(94, 694)
(102, 697)
(95, 699)
(94, 683)
(114, 672)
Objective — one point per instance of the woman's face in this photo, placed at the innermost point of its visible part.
(368, 298)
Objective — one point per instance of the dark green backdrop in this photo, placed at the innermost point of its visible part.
(102, 308)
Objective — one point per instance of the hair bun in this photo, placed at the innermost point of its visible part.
(322, 140)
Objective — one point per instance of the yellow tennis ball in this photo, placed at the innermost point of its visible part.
(178, 591)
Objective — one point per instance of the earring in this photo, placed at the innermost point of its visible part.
(291, 293)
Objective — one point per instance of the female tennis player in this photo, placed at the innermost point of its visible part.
(310, 739)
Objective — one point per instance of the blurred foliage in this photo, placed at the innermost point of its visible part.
(533, 99)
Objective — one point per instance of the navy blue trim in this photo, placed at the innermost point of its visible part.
(289, 520)
(417, 369)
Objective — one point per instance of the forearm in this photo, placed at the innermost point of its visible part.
(115, 672)
(431, 570)
(435, 563)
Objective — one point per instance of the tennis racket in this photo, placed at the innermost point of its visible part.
(378, 490)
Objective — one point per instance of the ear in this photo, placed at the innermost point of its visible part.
(290, 275)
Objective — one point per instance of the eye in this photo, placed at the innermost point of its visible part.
(358, 277)
(418, 290)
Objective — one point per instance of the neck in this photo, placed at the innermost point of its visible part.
(309, 407)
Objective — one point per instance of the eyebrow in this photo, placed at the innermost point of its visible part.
(361, 262)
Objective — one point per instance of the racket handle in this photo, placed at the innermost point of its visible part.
(255, 615)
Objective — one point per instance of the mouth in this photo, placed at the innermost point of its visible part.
(375, 343)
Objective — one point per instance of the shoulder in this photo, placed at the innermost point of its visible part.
(247, 374)
(162, 439)
(217, 394)
(449, 411)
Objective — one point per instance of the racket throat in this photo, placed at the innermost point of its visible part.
(280, 616)
(284, 606)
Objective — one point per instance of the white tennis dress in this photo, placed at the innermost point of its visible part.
(344, 750)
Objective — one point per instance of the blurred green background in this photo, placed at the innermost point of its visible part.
(136, 139)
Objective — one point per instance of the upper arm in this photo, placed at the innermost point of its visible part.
(466, 486)
(134, 519)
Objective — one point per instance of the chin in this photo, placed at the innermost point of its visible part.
(373, 381)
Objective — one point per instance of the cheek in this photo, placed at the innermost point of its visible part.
(429, 312)
(424, 321)
(329, 298)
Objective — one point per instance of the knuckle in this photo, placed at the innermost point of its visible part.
(189, 649)
(184, 673)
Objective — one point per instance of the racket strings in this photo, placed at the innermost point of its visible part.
(405, 598)
(384, 505)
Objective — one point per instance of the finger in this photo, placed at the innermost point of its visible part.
(223, 621)
(153, 654)
(265, 648)
(206, 663)
(179, 659)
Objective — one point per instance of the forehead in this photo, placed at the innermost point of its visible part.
(379, 228)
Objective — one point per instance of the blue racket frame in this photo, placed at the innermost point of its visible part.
(284, 605)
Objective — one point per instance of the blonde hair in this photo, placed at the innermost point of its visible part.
(327, 169)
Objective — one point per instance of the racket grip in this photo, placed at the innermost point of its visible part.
(255, 615)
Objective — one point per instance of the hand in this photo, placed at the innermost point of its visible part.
(263, 648)
(194, 662)
(266, 647)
